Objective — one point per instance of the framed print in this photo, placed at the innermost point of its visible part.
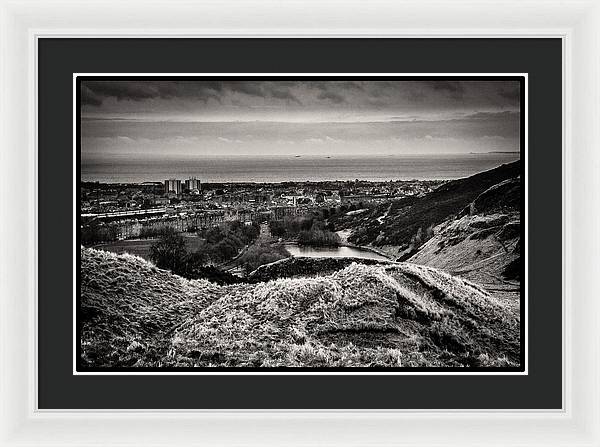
(199, 196)
(267, 234)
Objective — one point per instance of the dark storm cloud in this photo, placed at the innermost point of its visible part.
(335, 92)
(512, 93)
(431, 95)
(247, 88)
(88, 97)
(282, 93)
(332, 96)
(289, 100)
(256, 89)
(454, 88)
(139, 91)
(131, 91)
(451, 86)
(94, 92)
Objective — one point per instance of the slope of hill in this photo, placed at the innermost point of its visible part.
(392, 226)
(483, 243)
(395, 314)
(294, 267)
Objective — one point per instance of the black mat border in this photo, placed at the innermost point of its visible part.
(101, 55)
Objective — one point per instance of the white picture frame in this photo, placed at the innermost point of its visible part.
(577, 23)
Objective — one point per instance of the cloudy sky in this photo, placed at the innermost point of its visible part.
(155, 119)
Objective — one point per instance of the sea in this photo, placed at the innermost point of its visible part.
(294, 168)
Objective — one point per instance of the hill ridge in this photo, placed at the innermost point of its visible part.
(391, 227)
(394, 314)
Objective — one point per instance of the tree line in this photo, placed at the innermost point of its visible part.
(221, 244)
(309, 230)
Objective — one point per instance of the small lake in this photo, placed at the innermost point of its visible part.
(332, 252)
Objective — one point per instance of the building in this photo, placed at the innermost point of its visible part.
(280, 212)
(192, 185)
(173, 186)
(158, 201)
(293, 199)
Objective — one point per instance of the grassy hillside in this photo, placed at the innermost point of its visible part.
(396, 223)
(483, 243)
(393, 314)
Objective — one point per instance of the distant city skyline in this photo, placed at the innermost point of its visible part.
(175, 119)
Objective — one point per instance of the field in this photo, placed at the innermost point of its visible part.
(141, 247)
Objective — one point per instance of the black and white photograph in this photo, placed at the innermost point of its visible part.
(296, 223)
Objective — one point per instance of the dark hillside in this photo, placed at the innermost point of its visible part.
(396, 224)
(483, 243)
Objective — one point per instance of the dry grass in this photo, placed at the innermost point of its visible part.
(392, 314)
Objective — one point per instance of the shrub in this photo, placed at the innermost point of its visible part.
(319, 238)
(96, 233)
(169, 251)
(277, 228)
(262, 254)
(225, 241)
